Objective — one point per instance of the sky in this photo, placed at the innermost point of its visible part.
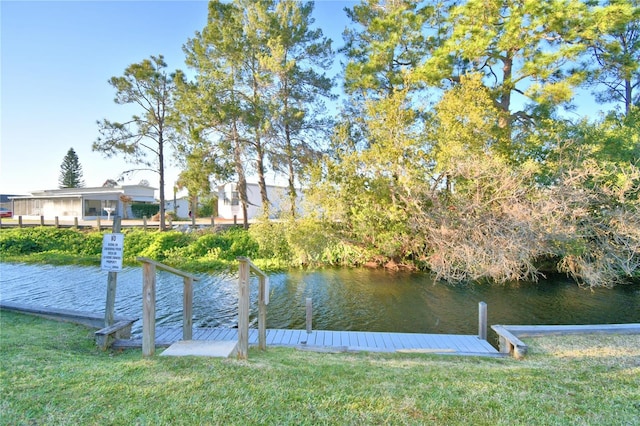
(56, 58)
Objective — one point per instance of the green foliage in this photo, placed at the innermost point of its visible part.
(208, 207)
(41, 239)
(272, 240)
(141, 210)
(71, 171)
(163, 242)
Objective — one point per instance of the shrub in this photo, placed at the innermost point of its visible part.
(163, 242)
(143, 209)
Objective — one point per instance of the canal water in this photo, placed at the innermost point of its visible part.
(343, 299)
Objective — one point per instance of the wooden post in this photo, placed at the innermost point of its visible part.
(148, 309)
(262, 314)
(213, 221)
(75, 222)
(19, 221)
(243, 309)
(235, 219)
(169, 222)
(187, 309)
(482, 320)
(98, 224)
(112, 282)
(56, 221)
(41, 220)
(309, 314)
(144, 223)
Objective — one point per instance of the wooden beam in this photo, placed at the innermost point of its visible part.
(148, 308)
(243, 309)
(167, 268)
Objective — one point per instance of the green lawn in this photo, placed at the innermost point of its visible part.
(52, 373)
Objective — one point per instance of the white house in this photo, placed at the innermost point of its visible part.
(229, 201)
(83, 203)
(181, 207)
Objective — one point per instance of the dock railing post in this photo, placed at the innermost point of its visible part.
(262, 314)
(309, 314)
(482, 320)
(148, 309)
(187, 309)
(243, 309)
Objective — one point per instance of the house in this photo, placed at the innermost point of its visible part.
(5, 201)
(83, 203)
(180, 206)
(229, 201)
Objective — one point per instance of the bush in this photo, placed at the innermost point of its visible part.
(41, 239)
(271, 238)
(163, 242)
(140, 210)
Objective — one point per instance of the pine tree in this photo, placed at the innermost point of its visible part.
(71, 171)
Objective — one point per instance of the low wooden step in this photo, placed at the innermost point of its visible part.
(210, 348)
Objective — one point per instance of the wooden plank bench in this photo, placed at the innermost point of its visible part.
(509, 343)
(117, 331)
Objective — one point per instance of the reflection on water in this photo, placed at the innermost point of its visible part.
(343, 299)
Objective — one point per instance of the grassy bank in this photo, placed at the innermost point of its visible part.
(53, 374)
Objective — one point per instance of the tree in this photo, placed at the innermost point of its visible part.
(296, 56)
(525, 50)
(218, 54)
(71, 171)
(615, 69)
(144, 138)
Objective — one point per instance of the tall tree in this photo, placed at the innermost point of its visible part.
(71, 171)
(615, 66)
(217, 54)
(143, 139)
(524, 49)
(297, 57)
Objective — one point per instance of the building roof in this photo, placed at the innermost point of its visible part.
(80, 192)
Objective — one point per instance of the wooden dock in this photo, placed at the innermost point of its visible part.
(334, 341)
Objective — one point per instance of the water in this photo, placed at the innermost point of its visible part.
(343, 299)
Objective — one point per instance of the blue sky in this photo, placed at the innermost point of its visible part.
(56, 59)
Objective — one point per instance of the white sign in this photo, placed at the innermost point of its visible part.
(112, 250)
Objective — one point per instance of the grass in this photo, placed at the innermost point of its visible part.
(52, 373)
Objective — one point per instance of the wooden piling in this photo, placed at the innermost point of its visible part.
(309, 315)
(482, 320)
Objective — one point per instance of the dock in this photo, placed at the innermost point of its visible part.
(333, 341)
